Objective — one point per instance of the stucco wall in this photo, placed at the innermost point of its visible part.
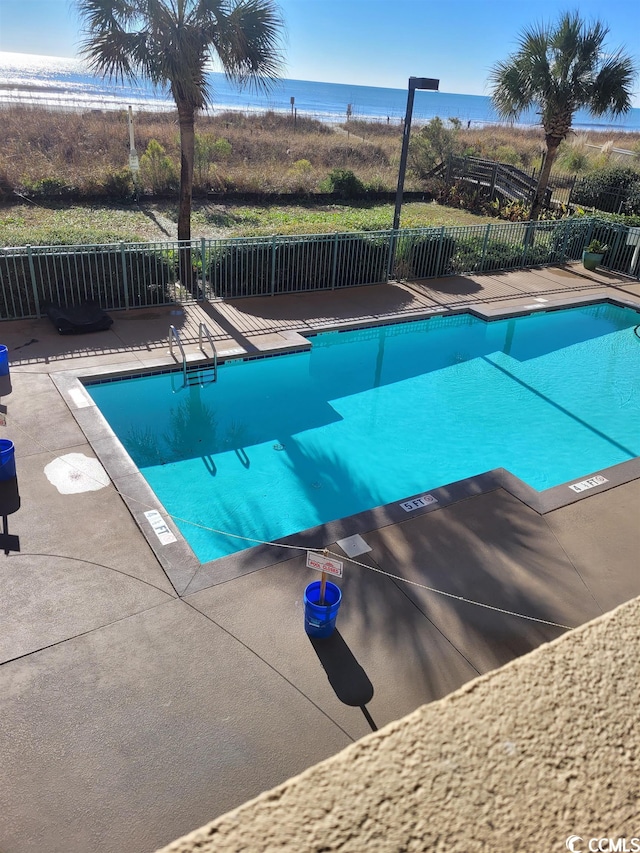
(517, 760)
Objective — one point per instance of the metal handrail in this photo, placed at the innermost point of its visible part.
(175, 334)
(203, 329)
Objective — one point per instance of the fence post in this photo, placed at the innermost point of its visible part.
(528, 241)
(125, 277)
(484, 245)
(393, 249)
(274, 241)
(334, 261)
(34, 283)
(439, 255)
(621, 232)
(203, 264)
(589, 233)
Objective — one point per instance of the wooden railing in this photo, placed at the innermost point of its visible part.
(499, 179)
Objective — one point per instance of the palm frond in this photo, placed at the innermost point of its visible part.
(613, 85)
(251, 52)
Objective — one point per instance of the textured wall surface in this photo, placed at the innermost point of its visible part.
(519, 759)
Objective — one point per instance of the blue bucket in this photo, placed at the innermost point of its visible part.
(320, 619)
(7, 459)
(4, 360)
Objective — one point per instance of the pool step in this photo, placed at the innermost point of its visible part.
(201, 373)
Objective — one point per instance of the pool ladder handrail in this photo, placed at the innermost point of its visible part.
(203, 331)
(174, 334)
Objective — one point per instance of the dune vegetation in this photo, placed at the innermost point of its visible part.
(257, 174)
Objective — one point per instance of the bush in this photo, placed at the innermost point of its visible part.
(301, 177)
(67, 278)
(425, 257)
(433, 144)
(49, 188)
(343, 183)
(613, 190)
(507, 154)
(118, 184)
(497, 255)
(208, 151)
(242, 269)
(157, 170)
(361, 261)
(632, 220)
(302, 263)
(569, 239)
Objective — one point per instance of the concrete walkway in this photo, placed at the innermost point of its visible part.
(130, 714)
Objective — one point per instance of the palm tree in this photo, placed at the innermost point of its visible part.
(558, 69)
(170, 43)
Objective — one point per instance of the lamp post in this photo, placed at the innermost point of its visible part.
(414, 83)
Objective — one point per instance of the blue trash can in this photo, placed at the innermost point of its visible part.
(7, 459)
(4, 360)
(320, 619)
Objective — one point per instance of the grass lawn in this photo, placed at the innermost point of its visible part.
(243, 221)
(68, 224)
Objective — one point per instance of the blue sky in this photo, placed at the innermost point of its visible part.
(366, 42)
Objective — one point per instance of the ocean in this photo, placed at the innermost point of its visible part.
(58, 83)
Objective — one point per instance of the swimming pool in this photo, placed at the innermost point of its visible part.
(368, 417)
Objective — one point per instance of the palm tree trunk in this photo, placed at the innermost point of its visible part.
(186, 117)
(543, 180)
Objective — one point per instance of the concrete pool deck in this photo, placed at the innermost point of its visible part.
(131, 714)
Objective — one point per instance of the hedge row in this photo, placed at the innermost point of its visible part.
(69, 278)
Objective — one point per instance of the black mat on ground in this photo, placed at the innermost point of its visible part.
(78, 319)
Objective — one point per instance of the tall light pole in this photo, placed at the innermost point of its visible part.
(414, 83)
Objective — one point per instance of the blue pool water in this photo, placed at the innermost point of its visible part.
(369, 417)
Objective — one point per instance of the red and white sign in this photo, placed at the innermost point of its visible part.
(324, 564)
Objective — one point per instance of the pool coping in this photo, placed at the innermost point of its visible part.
(188, 575)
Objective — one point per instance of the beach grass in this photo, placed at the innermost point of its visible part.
(86, 155)
(50, 161)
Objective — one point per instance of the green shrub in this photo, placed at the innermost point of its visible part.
(118, 184)
(302, 263)
(361, 260)
(614, 190)
(343, 183)
(49, 188)
(157, 170)
(67, 278)
(425, 257)
(301, 177)
(208, 151)
(377, 185)
(473, 255)
(507, 154)
(569, 239)
(242, 269)
(631, 219)
(433, 144)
